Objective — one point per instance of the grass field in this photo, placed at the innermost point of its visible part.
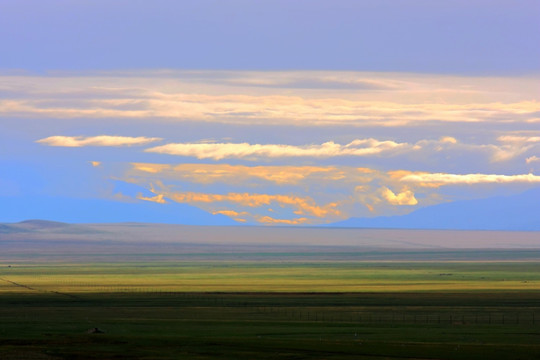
(158, 292)
(270, 310)
(271, 276)
(271, 326)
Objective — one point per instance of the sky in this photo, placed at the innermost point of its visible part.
(267, 112)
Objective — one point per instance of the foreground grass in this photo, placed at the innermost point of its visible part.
(271, 326)
(270, 310)
(268, 301)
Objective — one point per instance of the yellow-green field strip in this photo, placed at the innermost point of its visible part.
(274, 277)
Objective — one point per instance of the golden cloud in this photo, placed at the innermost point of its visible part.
(296, 191)
(448, 139)
(302, 205)
(267, 220)
(230, 213)
(403, 198)
(211, 173)
(157, 199)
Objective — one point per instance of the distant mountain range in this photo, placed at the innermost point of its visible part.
(517, 212)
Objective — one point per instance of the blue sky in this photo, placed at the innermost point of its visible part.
(269, 112)
(469, 37)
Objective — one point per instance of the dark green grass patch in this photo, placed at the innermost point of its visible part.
(270, 326)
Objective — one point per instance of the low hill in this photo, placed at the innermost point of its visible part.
(42, 224)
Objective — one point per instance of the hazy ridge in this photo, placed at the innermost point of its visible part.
(40, 230)
(517, 212)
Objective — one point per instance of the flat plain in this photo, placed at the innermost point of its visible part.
(186, 300)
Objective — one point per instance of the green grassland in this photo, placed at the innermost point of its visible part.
(271, 309)
(271, 276)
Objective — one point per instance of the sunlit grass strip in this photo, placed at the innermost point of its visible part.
(275, 278)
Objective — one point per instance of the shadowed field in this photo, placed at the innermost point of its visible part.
(271, 326)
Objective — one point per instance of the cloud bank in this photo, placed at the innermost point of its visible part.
(262, 98)
(304, 194)
(292, 147)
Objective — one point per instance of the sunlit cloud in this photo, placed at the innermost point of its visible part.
(151, 168)
(157, 199)
(310, 195)
(405, 197)
(468, 179)
(507, 152)
(359, 147)
(532, 159)
(506, 148)
(103, 140)
(278, 110)
(231, 213)
(225, 173)
(241, 216)
(301, 205)
(267, 220)
(513, 146)
(95, 163)
(448, 140)
(519, 139)
(422, 149)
